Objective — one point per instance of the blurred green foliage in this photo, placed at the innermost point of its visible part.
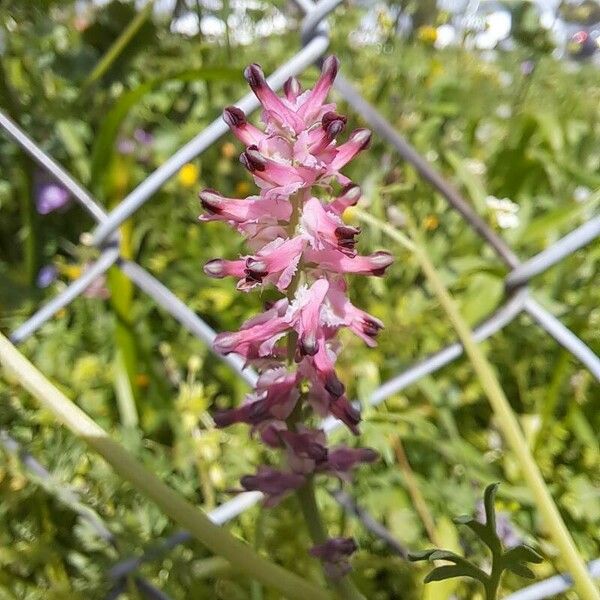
(494, 131)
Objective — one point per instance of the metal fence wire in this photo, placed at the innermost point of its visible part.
(105, 236)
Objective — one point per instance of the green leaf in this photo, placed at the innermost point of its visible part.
(522, 553)
(483, 532)
(521, 570)
(450, 571)
(422, 555)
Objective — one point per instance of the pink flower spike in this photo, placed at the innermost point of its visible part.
(219, 268)
(326, 230)
(358, 141)
(318, 94)
(243, 131)
(273, 483)
(295, 224)
(333, 260)
(268, 98)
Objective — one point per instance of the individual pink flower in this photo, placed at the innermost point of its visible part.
(298, 244)
(276, 262)
(325, 230)
(257, 336)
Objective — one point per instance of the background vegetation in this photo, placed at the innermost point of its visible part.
(495, 127)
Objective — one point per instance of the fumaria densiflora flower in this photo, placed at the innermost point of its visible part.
(298, 243)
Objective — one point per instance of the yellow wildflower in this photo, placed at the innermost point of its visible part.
(188, 175)
(71, 271)
(431, 222)
(349, 216)
(427, 34)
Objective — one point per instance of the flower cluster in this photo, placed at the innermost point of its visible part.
(298, 243)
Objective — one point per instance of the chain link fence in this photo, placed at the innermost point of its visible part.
(105, 237)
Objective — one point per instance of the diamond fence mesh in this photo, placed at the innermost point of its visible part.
(105, 237)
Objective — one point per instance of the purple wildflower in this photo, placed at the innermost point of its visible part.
(46, 276)
(50, 196)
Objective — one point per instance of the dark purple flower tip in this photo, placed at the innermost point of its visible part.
(345, 412)
(256, 266)
(381, 260)
(346, 238)
(291, 88)
(46, 276)
(253, 160)
(254, 76)
(331, 116)
(333, 124)
(234, 117)
(334, 129)
(330, 67)
(333, 385)
(50, 197)
(372, 327)
(210, 200)
(215, 268)
(308, 345)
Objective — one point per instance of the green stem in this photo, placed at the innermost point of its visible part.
(215, 538)
(493, 583)
(506, 418)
